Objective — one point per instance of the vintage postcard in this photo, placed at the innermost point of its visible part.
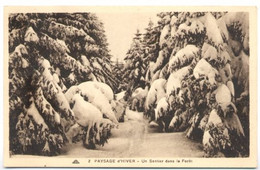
(130, 86)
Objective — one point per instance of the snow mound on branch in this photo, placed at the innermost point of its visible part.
(155, 93)
(163, 55)
(152, 67)
(96, 65)
(74, 65)
(91, 48)
(196, 27)
(140, 93)
(97, 94)
(214, 118)
(223, 28)
(102, 87)
(20, 50)
(225, 57)
(166, 19)
(156, 76)
(63, 45)
(33, 111)
(57, 118)
(14, 36)
(223, 95)
(203, 68)
(49, 73)
(92, 77)
(203, 122)
(183, 57)
(25, 63)
(172, 24)
(52, 84)
(213, 31)
(30, 35)
(174, 122)
(105, 89)
(85, 61)
(209, 52)
(72, 78)
(173, 20)
(71, 92)
(100, 101)
(174, 80)
(150, 99)
(46, 66)
(120, 95)
(164, 71)
(183, 28)
(165, 31)
(85, 112)
(70, 31)
(63, 103)
(207, 139)
(106, 66)
(136, 72)
(159, 86)
(230, 85)
(161, 108)
(18, 53)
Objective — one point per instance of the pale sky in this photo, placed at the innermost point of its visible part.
(121, 27)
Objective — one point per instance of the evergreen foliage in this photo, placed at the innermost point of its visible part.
(49, 53)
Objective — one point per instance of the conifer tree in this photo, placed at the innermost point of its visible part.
(199, 79)
(134, 69)
(49, 53)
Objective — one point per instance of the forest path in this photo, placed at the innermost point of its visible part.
(134, 138)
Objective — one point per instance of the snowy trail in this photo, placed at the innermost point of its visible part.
(135, 139)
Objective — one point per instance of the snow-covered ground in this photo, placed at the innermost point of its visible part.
(135, 139)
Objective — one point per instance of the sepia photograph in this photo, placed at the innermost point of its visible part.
(130, 86)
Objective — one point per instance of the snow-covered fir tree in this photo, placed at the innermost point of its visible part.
(49, 55)
(118, 70)
(199, 79)
(151, 42)
(134, 68)
(148, 45)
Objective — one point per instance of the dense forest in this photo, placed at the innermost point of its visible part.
(187, 73)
